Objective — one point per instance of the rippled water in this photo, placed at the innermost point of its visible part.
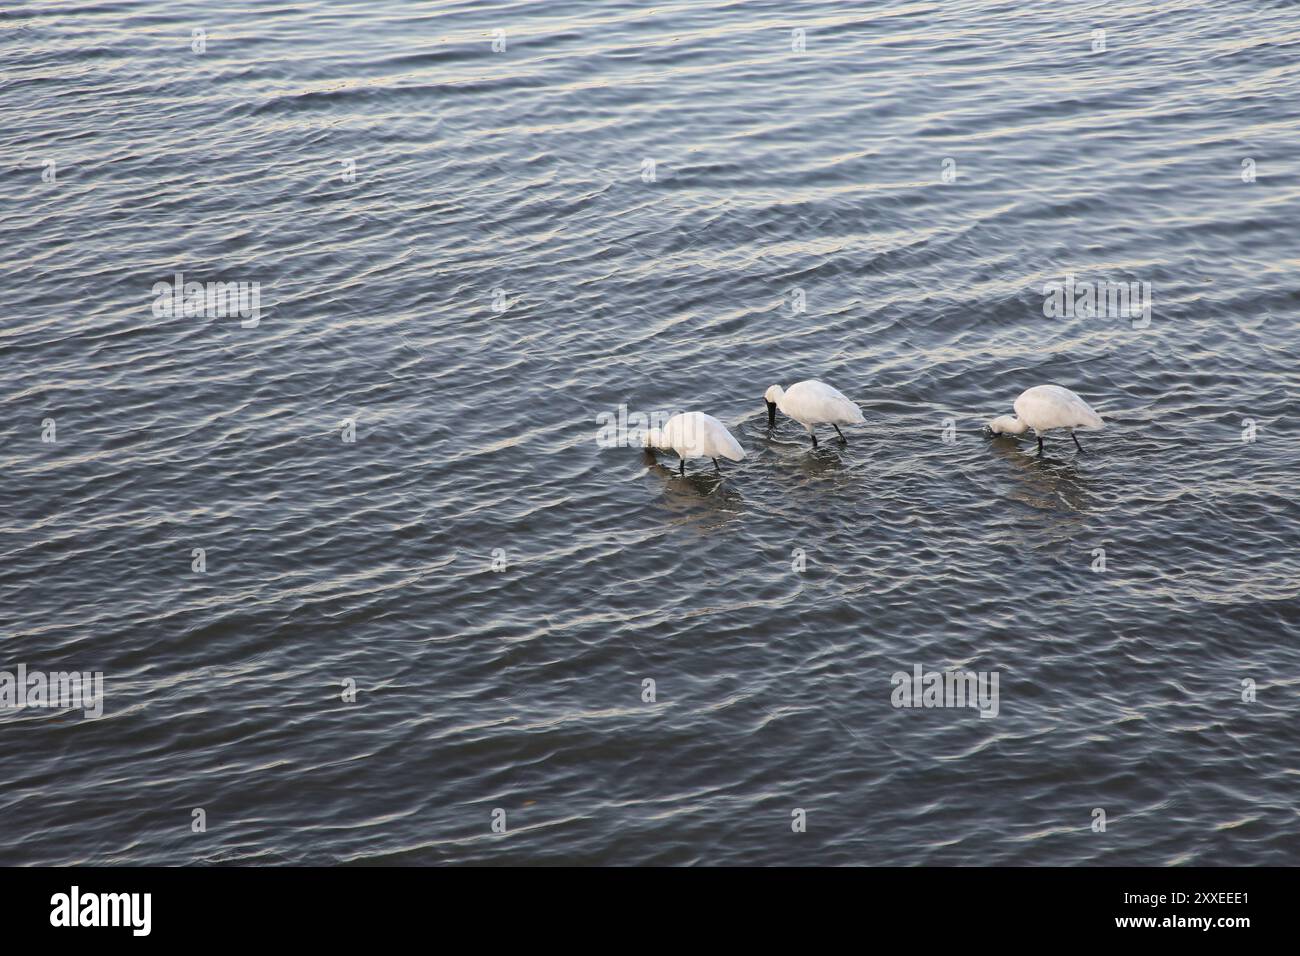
(497, 266)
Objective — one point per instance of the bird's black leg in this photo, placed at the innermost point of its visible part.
(813, 435)
(682, 469)
(1076, 441)
(1040, 444)
(715, 466)
(840, 433)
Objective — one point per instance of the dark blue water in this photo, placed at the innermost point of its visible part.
(472, 255)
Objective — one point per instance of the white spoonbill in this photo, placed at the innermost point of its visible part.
(813, 403)
(694, 435)
(1045, 407)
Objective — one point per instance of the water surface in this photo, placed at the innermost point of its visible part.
(465, 253)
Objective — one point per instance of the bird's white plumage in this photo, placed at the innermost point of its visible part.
(1007, 425)
(815, 403)
(1045, 407)
(695, 435)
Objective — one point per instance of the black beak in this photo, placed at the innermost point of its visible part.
(771, 414)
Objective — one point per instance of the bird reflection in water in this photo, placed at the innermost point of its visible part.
(704, 495)
(1046, 481)
(827, 458)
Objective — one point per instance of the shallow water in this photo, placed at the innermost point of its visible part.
(797, 225)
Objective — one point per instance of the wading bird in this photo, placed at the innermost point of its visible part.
(694, 435)
(813, 403)
(1044, 408)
